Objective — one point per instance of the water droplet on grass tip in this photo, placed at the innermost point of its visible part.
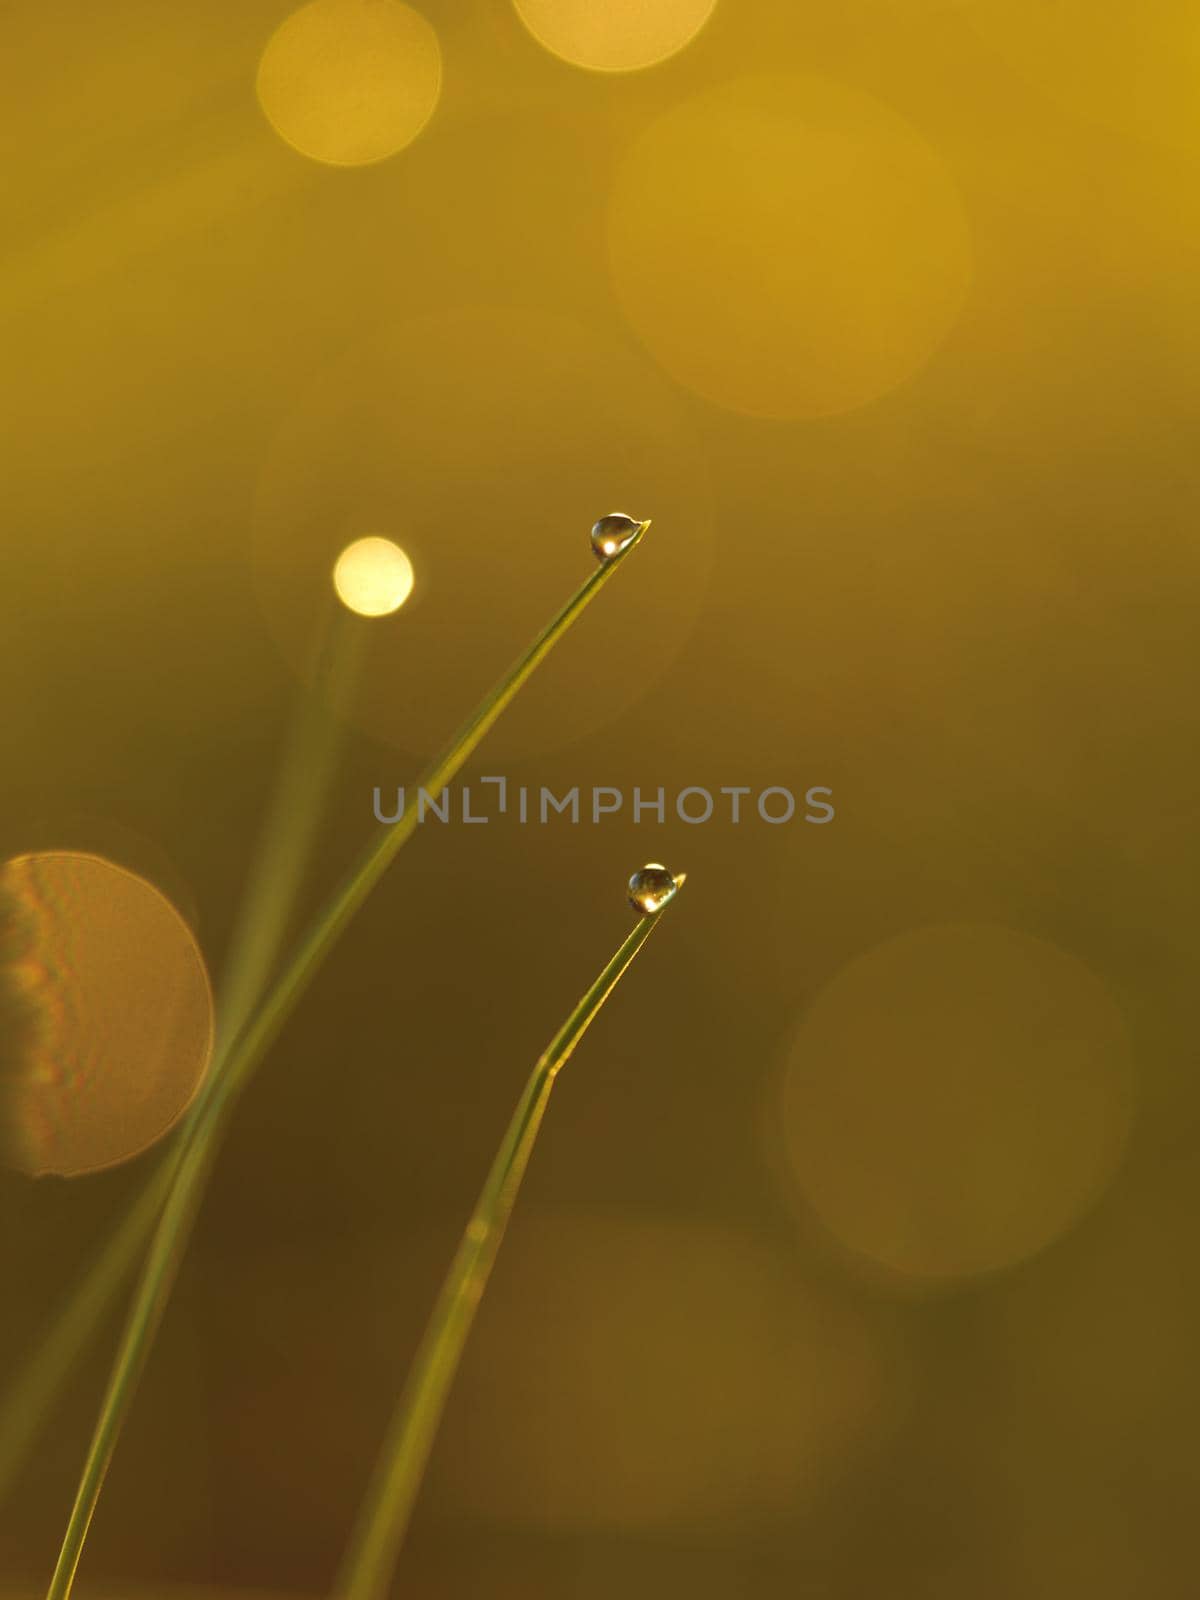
(651, 887)
(614, 533)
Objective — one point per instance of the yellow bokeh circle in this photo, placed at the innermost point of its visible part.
(105, 1009)
(373, 577)
(787, 247)
(350, 81)
(956, 1099)
(614, 35)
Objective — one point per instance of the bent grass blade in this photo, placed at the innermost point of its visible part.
(392, 1492)
(200, 1134)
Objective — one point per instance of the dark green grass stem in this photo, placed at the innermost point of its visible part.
(33, 1392)
(200, 1134)
(384, 1516)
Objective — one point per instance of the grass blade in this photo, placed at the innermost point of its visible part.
(292, 821)
(33, 1393)
(200, 1133)
(384, 1517)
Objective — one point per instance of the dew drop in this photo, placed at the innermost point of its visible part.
(651, 887)
(614, 533)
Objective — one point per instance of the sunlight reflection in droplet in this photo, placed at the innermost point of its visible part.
(613, 533)
(652, 886)
(108, 1009)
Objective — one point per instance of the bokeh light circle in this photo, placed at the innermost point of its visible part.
(373, 577)
(614, 35)
(788, 247)
(349, 82)
(486, 442)
(108, 1011)
(746, 1387)
(956, 1099)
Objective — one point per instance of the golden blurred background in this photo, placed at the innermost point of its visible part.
(857, 1255)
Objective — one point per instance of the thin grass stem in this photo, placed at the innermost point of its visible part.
(201, 1131)
(284, 849)
(33, 1393)
(289, 832)
(391, 1494)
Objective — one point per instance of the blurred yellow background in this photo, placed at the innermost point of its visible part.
(857, 1256)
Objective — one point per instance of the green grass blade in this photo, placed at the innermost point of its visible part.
(384, 1517)
(229, 1076)
(33, 1393)
(280, 1002)
(291, 824)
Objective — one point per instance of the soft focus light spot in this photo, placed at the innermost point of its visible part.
(373, 577)
(614, 35)
(956, 1099)
(671, 1371)
(350, 81)
(107, 1011)
(787, 247)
